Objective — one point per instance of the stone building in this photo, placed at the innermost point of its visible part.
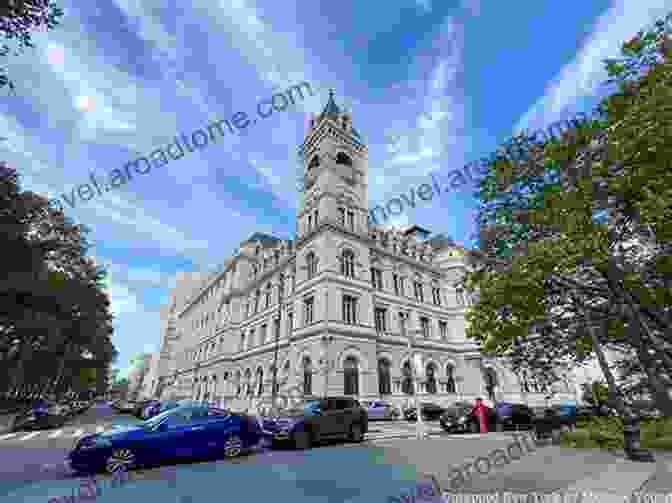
(337, 308)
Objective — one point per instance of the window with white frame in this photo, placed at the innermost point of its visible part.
(351, 220)
(380, 317)
(417, 288)
(308, 305)
(436, 293)
(377, 278)
(424, 326)
(349, 309)
(443, 330)
(311, 263)
(395, 280)
(348, 263)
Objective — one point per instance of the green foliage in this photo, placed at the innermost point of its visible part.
(18, 18)
(53, 306)
(607, 432)
(555, 223)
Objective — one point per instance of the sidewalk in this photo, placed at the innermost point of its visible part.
(544, 470)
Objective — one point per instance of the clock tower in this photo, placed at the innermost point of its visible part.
(335, 173)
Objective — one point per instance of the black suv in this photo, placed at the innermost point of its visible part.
(319, 419)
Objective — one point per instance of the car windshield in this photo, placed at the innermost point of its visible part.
(150, 423)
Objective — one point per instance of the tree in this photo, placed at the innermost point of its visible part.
(53, 305)
(17, 19)
(576, 236)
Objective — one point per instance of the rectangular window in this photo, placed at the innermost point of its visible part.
(443, 330)
(290, 322)
(395, 279)
(251, 341)
(402, 286)
(341, 216)
(268, 298)
(317, 213)
(308, 310)
(417, 286)
(276, 328)
(376, 278)
(436, 292)
(349, 309)
(424, 325)
(262, 334)
(402, 323)
(351, 220)
(310, 222)
(380, 316)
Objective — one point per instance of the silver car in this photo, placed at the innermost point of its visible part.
(381, 410)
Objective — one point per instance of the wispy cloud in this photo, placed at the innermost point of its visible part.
(582, 76)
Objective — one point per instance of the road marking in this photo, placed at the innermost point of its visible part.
(30, 435)
(78, 433)
(55, 434)
(8, 435)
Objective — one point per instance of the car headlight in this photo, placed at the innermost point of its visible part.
(462, 420)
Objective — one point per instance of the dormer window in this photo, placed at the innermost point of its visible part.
(342, 158)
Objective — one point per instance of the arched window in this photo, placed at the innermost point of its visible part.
(260, 381)
(351, 376)
(384, 380)
(248, 382)
(307, 376)
(268, 295)
(342, 158)
(407, 383)
(450, 376)
(430, 370)
(311, 263)
(348, 263)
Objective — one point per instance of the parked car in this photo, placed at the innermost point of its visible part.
(140, 407)
(458, 418)
(177, 434)
(30, 419)
(125, 407)
(318, 420)
(430, 412)
(380, 409)
(155, 408)
(513, 416)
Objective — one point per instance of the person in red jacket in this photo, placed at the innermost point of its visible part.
(481, 412)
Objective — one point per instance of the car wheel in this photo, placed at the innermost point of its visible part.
(233, 446)
(120, 460)
(356, 434)
(302, 440)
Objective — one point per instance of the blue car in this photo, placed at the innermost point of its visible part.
(177, 434)
(164, 405)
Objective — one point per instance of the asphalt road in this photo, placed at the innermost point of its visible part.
(382, 468)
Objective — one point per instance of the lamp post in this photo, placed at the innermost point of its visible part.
(274, 391)
(419, 425)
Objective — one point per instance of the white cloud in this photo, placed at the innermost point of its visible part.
(582, 76)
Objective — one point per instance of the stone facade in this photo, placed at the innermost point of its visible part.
(337, 307)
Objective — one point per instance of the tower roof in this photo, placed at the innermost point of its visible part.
(332, 111)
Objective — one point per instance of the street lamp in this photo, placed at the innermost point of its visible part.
(419, 425)
(274, 391)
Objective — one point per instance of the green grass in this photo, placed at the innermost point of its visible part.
(607, 432)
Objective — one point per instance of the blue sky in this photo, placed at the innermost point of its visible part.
(120, 77)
